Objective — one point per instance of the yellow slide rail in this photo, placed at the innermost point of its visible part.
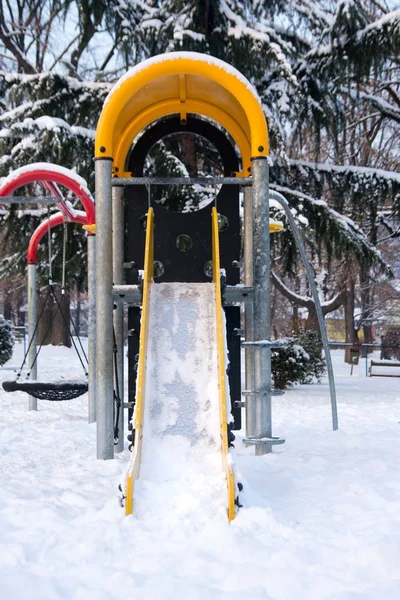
(134, 464)
(226, 460)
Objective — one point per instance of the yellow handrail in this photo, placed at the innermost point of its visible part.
(134, 464)
(227, 466)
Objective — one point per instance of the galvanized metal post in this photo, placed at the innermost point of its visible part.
(118, 277)
(261, 320)
(91, 250)
(248, 307)
(104, 310)
(32, 319)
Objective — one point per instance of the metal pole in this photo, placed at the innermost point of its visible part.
(118, 276)
(91, 250)
(248, 310)
(321, 321)
(104, 309)
(32, 319)
(261, 320)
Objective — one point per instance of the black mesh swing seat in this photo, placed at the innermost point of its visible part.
(56, 391)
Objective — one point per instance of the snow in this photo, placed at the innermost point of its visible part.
(390, 18)
(355, 169)
(170, 56)
(320, 521)
(56, 124)
(181, 468)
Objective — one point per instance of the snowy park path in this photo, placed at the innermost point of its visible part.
(321, 515)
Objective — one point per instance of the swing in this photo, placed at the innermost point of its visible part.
(55, 391)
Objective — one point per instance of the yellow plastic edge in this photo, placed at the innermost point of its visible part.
(230, 479)
(126, 89)
(91, 228)
(134, 463)
(170, 107)
(275, 227)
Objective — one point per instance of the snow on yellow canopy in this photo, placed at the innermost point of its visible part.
(181, 83)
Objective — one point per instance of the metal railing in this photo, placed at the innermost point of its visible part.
(355, 359)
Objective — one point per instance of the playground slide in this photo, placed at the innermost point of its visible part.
(180, 459)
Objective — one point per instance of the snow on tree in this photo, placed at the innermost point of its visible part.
(326, 72)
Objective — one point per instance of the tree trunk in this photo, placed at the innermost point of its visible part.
(312, 319)
(78, 314)
(366, 294)
(189, 153)
(54, 324)
(351, 332)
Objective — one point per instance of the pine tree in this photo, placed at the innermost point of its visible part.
(326, 72)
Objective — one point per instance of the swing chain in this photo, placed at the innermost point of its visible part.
(64, 257)
(50, 249)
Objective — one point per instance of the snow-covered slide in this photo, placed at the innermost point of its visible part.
(181, 458)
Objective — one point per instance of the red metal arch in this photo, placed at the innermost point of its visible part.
(43, 228)
(48, 176)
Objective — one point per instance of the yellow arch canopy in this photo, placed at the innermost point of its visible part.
(181, 83)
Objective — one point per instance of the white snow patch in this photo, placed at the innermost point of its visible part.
(320, 520)
(170, 56)
(181, 468)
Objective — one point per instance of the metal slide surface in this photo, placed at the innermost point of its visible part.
(181, 461)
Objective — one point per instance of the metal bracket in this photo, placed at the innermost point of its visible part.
(239, 404)
(265, 442)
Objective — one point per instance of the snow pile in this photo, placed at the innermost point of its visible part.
(181, 469)
(320, 521)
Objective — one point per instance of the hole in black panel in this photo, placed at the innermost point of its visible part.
(184, 242)
(158, 268)
(184, 154)
(208, 269)
(223, 222)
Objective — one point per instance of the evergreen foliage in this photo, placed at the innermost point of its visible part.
(6, 341)
(299, 361)
(326, 71)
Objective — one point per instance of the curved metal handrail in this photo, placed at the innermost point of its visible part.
(278, 197)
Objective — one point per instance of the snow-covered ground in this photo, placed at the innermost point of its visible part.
(321, 515)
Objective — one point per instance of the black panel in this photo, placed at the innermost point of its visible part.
(232, 315)
(183, 266)
(133, 351)
(178, 265)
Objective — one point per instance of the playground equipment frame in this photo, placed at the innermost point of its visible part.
(50, 176)
(182, 83)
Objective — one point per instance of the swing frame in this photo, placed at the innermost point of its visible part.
(49, 176)
(56, 390)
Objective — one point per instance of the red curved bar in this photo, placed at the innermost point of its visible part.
(43, 228)
(55, 177)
